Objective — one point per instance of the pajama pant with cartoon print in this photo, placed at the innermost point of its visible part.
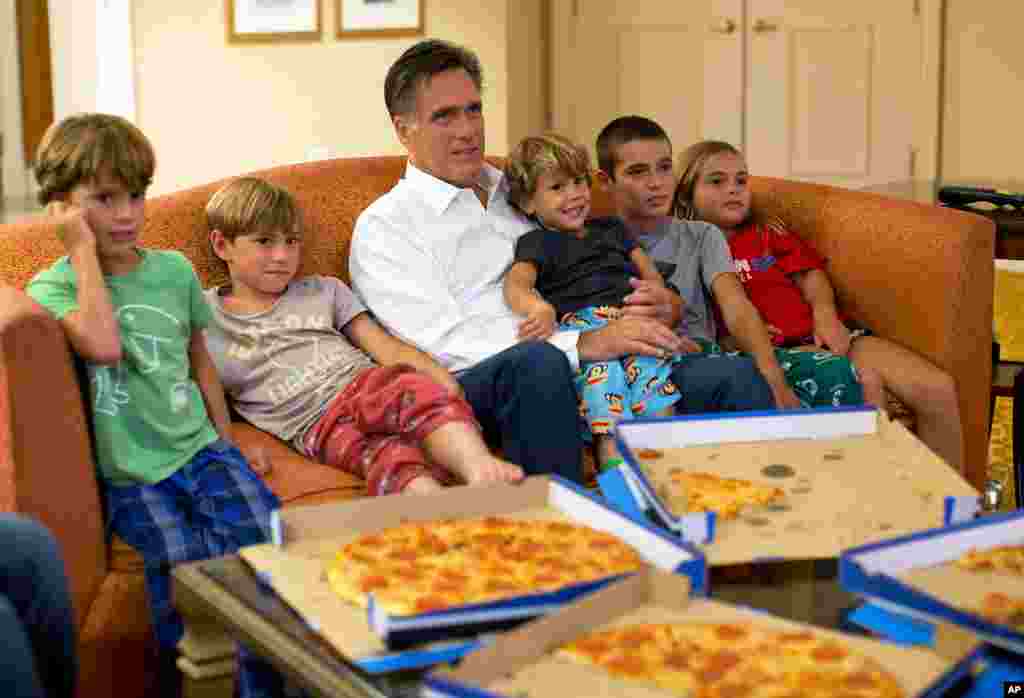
(624, 388)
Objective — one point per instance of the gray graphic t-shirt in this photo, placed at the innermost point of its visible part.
(282, 367)
(690, 254)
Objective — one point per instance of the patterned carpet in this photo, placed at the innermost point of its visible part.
(1000, 450)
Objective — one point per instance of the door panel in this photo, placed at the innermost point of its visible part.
(821, 90)
(833, 89)
(649, 58)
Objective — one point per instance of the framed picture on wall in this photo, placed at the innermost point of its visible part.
(379, 18)
(273, 20)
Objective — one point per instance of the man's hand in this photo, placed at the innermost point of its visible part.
(632, 335)
(651, 300)
(539, 323)
(829, 331)
(73, 227)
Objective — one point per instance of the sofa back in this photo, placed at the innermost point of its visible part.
(330, 193)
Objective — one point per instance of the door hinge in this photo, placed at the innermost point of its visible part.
(576, 8)
(917, 9)
(912, 162)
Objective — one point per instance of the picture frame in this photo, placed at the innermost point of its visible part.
(269, 21)
(379, 18)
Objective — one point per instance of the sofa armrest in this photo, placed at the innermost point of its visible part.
(917, 274)
(47, 469)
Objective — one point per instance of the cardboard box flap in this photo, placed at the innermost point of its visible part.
(514, 650)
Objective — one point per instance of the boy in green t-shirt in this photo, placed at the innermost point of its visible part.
(176, 488)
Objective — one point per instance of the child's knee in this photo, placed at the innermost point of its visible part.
(872, 385)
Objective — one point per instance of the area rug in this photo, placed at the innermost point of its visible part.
(1000, 450)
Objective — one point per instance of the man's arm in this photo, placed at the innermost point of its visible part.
(745, 324)
(92, 328)
(204, 373)
(386, 349)
(829, 330)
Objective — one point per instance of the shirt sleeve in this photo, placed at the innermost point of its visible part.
(530, 248)
(714, 254)
(793, 254)
(618, 233)
(199, 307)
(403, 285)
(55, 290)
(345, 303)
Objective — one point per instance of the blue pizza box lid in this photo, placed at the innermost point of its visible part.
(909, 575)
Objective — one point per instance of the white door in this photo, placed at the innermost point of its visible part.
(679, 63)
(820, 90)
(833, 89)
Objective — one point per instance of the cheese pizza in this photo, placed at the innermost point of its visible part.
(427, 566)
(1007, 559)
(733, 660)
(726, 496)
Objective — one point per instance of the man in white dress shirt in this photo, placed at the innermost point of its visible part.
(428, 259)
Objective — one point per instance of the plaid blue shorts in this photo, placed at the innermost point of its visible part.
(214, 505)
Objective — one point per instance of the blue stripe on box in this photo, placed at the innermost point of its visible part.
(435, 686)
(618, 494)
(383, 664)
(895, 627)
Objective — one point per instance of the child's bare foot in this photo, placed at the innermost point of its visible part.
(490, 469)
(423, 484)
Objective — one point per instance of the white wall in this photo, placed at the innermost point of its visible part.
(15, 177)
(214, 109)
(984, 100)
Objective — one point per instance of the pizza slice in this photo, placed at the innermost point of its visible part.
(1007, 559)
(696, 491)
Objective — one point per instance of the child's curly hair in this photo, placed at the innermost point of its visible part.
(537, 155)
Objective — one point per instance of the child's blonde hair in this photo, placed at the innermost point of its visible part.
(692, 162)
(82, 148)
(537, 155)
(252, 205)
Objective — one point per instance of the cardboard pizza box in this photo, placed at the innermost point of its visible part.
(520, 662)
(305, 538)
(850, 476)
(914, 575)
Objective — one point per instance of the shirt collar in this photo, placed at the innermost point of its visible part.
(439, 194)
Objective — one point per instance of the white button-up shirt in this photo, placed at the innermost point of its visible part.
(428, 260)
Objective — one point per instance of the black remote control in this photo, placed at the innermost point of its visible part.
(964, 196)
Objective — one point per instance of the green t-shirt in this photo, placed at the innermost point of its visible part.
(148, 413)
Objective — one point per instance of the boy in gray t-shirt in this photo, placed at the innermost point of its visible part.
(303, 360)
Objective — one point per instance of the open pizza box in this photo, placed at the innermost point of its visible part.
(914, 576)
(849, 475)
(306, 538)
(521, 663)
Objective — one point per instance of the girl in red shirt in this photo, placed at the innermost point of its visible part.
(786, 281)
